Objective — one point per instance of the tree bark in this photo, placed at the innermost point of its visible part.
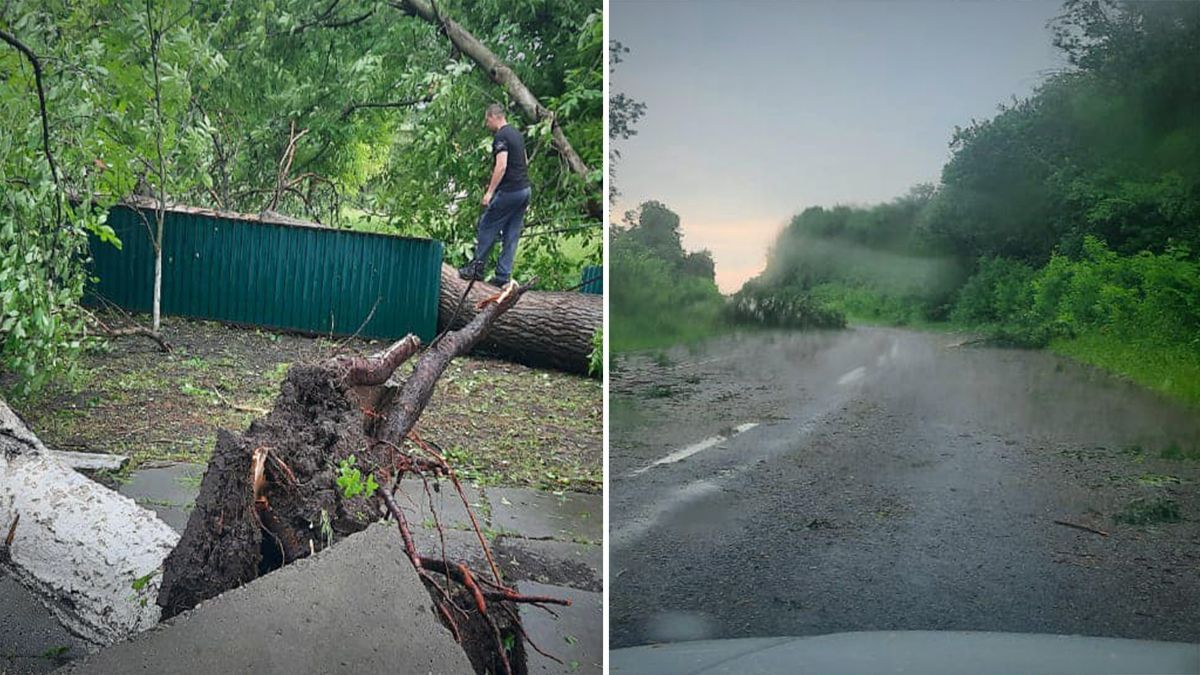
(76, 544)
(547, 329)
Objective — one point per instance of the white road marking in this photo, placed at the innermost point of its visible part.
(852, 376)
(632, 526)
(692, 449)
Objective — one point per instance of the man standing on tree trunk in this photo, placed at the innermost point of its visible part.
(504, 202)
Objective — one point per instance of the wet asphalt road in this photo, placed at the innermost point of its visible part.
(894, 480)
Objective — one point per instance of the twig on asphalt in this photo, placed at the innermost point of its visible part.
(1085, 528)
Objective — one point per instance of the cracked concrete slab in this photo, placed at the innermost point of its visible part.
(448, 505)
(460, 545)
(575, 637)
(357, 607)
(170, 491)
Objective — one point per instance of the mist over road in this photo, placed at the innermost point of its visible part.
(883, 479)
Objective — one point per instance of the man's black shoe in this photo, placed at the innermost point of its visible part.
(498, 283)
(473, 271)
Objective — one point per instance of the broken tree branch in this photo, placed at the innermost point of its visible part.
(419, 386)
(104, 329)
(84, 543)
(407, 103)
(1085, 528)
(41, 92)
(377, 368)
(503, 75)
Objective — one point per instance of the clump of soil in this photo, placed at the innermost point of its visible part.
(234, 536)
(312, 427)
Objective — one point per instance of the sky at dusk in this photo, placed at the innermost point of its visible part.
(757, 110)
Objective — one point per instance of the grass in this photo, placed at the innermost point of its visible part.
(1150, 511)
(502, 424)
(1177, 452)
(630, 334)
(1172, 370)
(1172, 452)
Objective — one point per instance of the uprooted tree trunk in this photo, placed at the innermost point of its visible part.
(548, 329)
(271, 496)
(89, 554)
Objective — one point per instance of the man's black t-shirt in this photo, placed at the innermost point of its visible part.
(516, 176)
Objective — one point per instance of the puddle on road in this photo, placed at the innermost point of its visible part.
(676, 626)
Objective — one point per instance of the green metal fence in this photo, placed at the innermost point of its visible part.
(295, 277)
(592, 280)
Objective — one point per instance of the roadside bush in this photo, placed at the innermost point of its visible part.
(999, 292)
(1144, 297)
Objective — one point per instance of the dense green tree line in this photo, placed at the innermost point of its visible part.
(1108, 150)
(659, 293)
(199, 101)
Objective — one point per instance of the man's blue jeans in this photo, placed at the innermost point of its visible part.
(503, 219)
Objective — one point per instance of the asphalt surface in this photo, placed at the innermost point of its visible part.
(880, 479)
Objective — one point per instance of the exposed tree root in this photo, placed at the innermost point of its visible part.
(272, 494)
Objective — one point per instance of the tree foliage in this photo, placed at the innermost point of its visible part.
(386, 117)
(1057, 216)
(659, 294)
(623, 115)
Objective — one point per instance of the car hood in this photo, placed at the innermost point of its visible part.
(915, 652)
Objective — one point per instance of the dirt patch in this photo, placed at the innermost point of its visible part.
(500, 423)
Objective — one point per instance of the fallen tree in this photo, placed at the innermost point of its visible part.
(325, 463)
(89, 554)
(552, 329)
